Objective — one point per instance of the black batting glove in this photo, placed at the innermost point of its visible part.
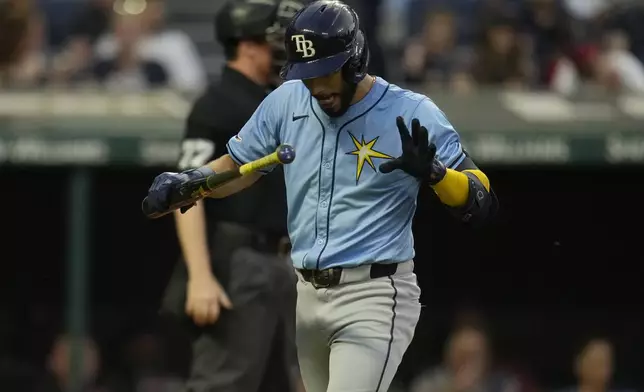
(418, 155)
(168, 183)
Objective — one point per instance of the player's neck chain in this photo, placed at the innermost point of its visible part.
(373, 83)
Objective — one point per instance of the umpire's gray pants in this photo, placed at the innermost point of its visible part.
(352, 337)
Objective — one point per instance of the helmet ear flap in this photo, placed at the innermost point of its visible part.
(356, 68)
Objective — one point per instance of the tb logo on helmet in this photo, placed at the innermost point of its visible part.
(303, 45)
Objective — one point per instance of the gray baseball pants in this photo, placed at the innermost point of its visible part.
(352, 337)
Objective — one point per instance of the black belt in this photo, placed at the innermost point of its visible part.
(331, 276)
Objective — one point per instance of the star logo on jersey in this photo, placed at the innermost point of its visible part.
(364, 153)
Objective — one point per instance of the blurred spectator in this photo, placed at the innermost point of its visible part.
(139, 52)
(468, 14)
(61, 16)
(610, 64)
(557, 45)
(14, 26)
(547, 29)
(593, 367)
(565, 48)
(628, 16)
(58, 376)
(125, 66)
(499, 58)
(433, 57)
(618, 68)
(92, 21)
(487, 12)
(30, 64)
(467, 367)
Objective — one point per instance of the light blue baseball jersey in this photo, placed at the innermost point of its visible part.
(342, 212)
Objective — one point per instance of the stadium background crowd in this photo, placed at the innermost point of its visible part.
(455, 45)
(458, 45)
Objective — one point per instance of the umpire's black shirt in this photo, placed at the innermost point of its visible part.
(217, 115)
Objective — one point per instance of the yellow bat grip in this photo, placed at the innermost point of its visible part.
(259, 164)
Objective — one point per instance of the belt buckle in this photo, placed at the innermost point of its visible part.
(322, 279)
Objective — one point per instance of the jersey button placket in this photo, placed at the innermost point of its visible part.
(321, 221)
(322, 218)
(325, 192)
(321, 237)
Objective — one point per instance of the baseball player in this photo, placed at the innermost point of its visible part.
(364, 148)
(231, 290)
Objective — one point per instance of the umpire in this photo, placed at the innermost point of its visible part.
(234, 287)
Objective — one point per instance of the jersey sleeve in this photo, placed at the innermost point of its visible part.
(260, 136)
(441, 132)
(202, 140)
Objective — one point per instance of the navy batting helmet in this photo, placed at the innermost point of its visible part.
(323, 38)
(263, 20)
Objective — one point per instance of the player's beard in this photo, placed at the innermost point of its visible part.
(346, 96)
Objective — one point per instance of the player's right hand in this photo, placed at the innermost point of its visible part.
(160, 192)
(205, 299)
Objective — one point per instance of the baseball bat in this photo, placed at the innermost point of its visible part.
(192, 191)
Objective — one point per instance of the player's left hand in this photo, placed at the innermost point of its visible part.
(418, 155)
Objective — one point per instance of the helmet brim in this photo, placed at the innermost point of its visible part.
(315, 68)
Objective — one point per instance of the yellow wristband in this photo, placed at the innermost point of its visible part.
(453, 189)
